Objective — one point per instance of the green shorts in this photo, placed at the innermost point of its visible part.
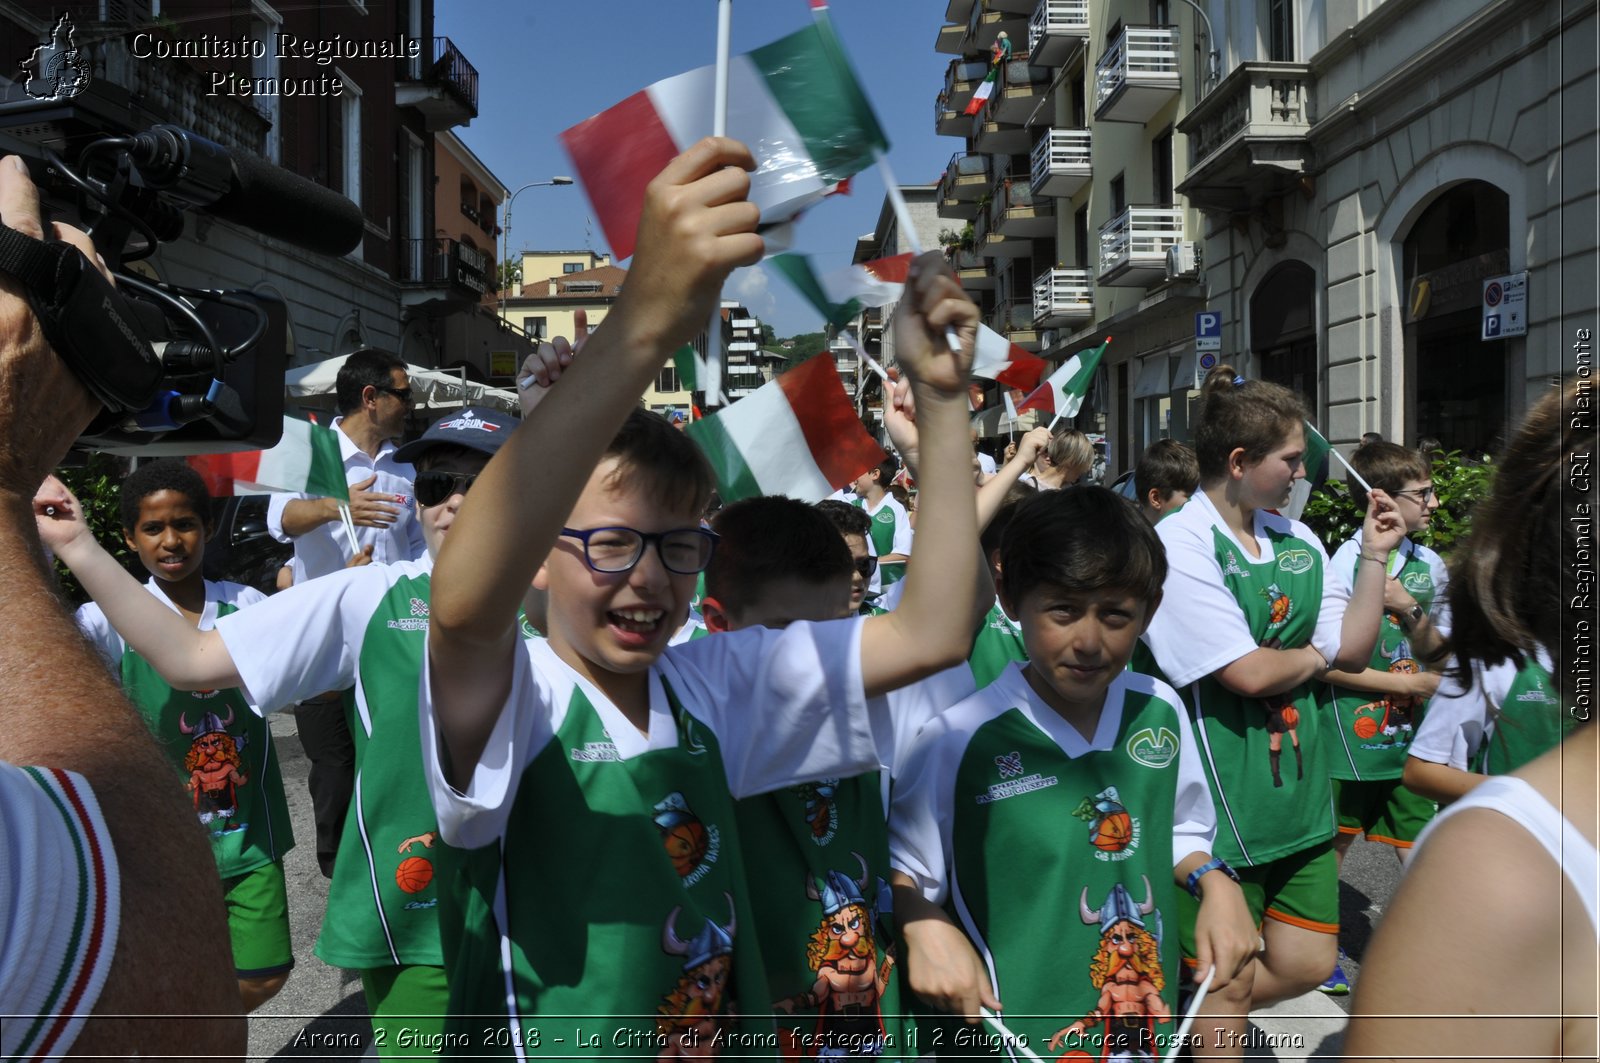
(408, 1005)
(1301, 889)
(258, 921)
(1383, 810)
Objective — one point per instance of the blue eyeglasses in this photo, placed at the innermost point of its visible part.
(617, 549)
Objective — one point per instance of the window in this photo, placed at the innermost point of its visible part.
(571, 267)
(1161, 167)
(1160, 13)
(535, 326)
(1078, 102)
(1080, 237)
(1113, 33)
(668, 381)
(1280, 31)
(264, 23)
(345, 169)
(1119, 195)
(584, 287)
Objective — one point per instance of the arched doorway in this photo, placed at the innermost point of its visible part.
(1456, 382)
(1283, 329)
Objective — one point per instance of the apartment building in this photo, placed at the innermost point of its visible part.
(1067, 223)
(745, 365)
(556, 285)
(884, 241)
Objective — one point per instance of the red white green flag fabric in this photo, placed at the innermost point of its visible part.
(306, 460)
(839, 295)
(795, 102)
(688, 363)
(797, 435)
(981, 94)
(1062, 394)
(1315, 463)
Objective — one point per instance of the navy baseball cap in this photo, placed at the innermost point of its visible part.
(481, 430)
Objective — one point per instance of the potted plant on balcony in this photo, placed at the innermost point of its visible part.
(954, 242)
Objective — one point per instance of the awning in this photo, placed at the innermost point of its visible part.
(432, 389)
(1183, 375)
(1152, 379)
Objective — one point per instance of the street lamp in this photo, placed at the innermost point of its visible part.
(505, 231)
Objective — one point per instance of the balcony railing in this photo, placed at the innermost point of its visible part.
(961, 77)
(1017, 212)
(1062, 296)
(1022, 86)
(1248, 139)
(1014, 321)
(1056, 30)
(1137, 75)
(445, 91)
(1060, 163)
(966, 177)
(1133, 245)
(454, 74)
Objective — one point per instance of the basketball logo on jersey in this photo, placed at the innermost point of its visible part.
(1417, 583)
(1295, 562)
(692, 845)
(1282, 607)
(1153, 747)
(1113, 831)
(821, 811)
(415, 873)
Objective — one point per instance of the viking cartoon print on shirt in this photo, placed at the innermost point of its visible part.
(215, 768)
(697, 1009)
(692, 845)
(1126, 971)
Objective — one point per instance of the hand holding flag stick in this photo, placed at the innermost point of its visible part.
(1011, 1040)
(1189, 1016)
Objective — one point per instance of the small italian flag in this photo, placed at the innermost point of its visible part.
(306, 461)
(688, 362)
(985, 89)
(1062, 394)
(797, 435)
(840, 295)
(1315, 463)
(795, 102)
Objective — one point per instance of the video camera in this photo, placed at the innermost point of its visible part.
(179, 370)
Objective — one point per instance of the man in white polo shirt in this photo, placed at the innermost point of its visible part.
(374, 396)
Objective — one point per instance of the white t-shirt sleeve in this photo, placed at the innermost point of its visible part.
(1194, 599)
(275, 504)
(1439, 613)
(902, 528)
(787, 705)
(477, 815)
(1457, 717)
(1335, 597)
(97, 629)
(909, 709)
(1194, 816)
(327, 619)
(922, 807)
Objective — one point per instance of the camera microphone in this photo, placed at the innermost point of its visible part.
(240, 187)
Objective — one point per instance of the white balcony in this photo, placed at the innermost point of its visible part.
(745, 323)
(1014, 321)
(1063, 297)
(1022, 89)
(1060, 163)
(1133, 246)
(1057, 30)
(1248, 139)
(1017, 212)
(743, 345)
(1138, 74)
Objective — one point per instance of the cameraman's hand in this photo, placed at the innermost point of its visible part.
(43, 408)
(60, 520)
(370, 509)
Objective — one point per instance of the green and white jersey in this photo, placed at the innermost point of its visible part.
(605, 875)
(362, 628)
(1373, 731)
(219, 744)
(1505, 718)
(1265, 758)
(1047, 846)
(891, 534)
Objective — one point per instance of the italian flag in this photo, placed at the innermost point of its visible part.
(1315, 463)
(841, 294)
(306, 461)
(795, 102)
(985, 89)
(1062, 394)
(797, 435)
(688, 362)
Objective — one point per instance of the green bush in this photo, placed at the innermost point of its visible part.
(1460, 483)
(97, 484)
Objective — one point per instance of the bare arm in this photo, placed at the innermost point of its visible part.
(1439, 782)
(993, 492)
(186, 657)
(1363, 614)
(59, 708)
(941, 965)
(1267, 671)
(1402, 684)
(695, 228)
(930, 631)
(302, 515)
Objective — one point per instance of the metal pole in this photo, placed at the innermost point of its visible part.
(505, 232)
(1215, 65)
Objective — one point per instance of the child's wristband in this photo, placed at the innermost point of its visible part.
(1216, 863)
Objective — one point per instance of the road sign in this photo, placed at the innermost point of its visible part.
(1208, 331)
(1505, 306)
(1203, 365)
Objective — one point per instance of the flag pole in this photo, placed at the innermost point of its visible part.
(349, 526)
(1348, 467)
(861, 352)
(719, 128)
(1188, 1018)
(1011, 1040)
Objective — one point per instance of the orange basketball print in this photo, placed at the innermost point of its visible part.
(1113, 832)
(413, 874)
(1291, 717)
(1365, 727)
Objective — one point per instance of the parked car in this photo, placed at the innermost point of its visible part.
(1123, 485)
(241, 549)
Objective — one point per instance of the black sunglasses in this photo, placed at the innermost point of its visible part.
(434, 486)
(866, 566)
(403, 394)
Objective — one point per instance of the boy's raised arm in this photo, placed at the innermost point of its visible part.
(931, 630)
(695, 228)
(186, 657)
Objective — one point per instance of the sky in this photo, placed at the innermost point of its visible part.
(545, 65)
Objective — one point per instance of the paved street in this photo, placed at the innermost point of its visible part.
(321, 1012)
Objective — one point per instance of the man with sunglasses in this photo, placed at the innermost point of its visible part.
(362, 628)
(374, 396)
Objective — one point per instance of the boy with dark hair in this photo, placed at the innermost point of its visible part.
(891, 524)
(1072, 735)
(1166, 474)
(363, 630)
(222, 749)
(776, 560)
(600, 739)
(853, 523)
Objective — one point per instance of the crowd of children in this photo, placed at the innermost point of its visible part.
(1063, 757)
